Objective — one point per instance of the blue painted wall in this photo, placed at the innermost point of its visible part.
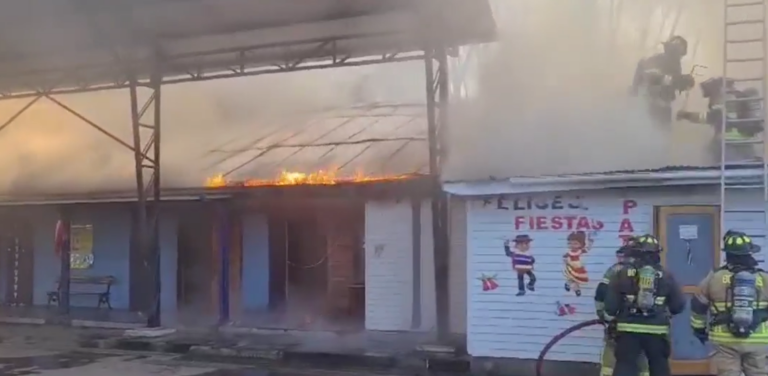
(168, 266)
(111, 247)
(255, 273)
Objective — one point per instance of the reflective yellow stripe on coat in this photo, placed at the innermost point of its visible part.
(720, 334)
(642, 328)
(721, 306)
(698, 321)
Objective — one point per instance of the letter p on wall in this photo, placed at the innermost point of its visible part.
(628, 205)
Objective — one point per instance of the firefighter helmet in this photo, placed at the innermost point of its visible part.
(647, 243)
(712, 87)
(739, 243)
(676, 45)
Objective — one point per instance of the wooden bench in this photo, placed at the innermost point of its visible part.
(98, 286)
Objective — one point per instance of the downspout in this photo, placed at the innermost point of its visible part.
(416, 271)
(224, 238)
(65, 261)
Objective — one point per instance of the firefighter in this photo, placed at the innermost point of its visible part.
(660, 78)
(607, 359)
(747, 113)
(643, 296)
(732, 295)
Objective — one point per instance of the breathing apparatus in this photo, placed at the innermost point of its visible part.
(742, 289)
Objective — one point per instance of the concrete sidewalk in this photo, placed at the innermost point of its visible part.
(51, 337)
(365, 350)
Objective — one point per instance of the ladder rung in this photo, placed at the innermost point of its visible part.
(736, 121)
(744, 41)
(745, 22)
(739, 5)
(747, 79)
(745, 60)
(745, 186)
(743, 99)
(752, 141)
(747, 211)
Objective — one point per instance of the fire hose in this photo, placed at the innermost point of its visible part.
(557, 338)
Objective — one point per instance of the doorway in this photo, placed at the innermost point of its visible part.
(195, 268)
(17, 262)
(690, 236)
(298, 270)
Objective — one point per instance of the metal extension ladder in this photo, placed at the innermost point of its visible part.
(745, 62)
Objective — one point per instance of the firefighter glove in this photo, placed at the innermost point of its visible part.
(687, 115)
(601, 317)
(684, 82)
(701, 335)
(610, 329)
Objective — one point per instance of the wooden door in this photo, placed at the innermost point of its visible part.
(690, 237)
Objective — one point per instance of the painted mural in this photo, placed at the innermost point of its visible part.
(489, 282)
(574, 271)
(81, 246)
(555, 250)
(522, 262)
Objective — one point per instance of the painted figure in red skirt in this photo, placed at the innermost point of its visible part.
(574, 271)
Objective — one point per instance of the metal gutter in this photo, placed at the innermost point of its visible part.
(678, 175)
(85, 200)
(597, 181)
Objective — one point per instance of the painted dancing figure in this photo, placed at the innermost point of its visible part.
(522, 262)
(574, 272)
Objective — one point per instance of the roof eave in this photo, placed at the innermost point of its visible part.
(598, 181)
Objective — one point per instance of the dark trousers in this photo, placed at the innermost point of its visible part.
(521, 279)
(629, 347)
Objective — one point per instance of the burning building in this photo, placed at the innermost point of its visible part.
(323, 223)
(317, 211)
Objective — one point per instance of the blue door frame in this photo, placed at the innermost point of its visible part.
(690, 261)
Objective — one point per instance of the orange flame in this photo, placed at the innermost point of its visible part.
(321, 177)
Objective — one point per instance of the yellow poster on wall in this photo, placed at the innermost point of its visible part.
(81, 246)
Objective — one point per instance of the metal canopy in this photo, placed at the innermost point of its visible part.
(52, 47)
(84, 45)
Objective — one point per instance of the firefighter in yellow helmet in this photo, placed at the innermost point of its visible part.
(734, 296)
(607, 360)
(643, 296)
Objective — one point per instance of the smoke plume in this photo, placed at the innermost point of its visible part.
(553, 92)
(48, 150)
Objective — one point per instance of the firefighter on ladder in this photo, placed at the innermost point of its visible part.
(643, 296)
(659, 78)
(607, 359)
(733, 296)
(748, 114)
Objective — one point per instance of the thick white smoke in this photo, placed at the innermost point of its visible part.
(48, 150)
(553, 92)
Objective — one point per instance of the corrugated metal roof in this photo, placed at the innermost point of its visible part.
(381, 140)
(50, 153)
